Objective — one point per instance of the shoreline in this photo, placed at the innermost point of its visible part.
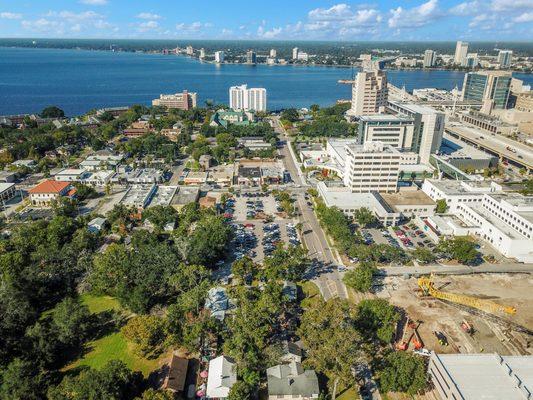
(311, 65)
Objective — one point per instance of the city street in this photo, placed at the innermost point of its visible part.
(328, 278)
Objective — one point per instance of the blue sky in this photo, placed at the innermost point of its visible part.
(270, 19)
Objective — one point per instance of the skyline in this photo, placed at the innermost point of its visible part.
(430, 20)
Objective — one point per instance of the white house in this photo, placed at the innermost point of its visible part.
(222, 376)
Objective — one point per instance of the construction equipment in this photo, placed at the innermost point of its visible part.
(428, 288)
(410, 333)
(441, 337)
(465, 326)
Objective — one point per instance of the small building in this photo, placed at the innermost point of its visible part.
(222, 176)
(99, 178)
(481, 376)
(291, 352)
(7, 176)
(290, 290)
(177, 374)
(101, 162)
(205, 161)
(195, 178)
(163, 195)
(254, 143)
(207, 202)
(139, 196)
(217, 302)
(71, 175)
(7, 191)
(96, 224)
(49, 190)
(24, 164)
(410, 203)
(291, 381)
(222, 376)
(227, 117)
(249, 176)
(185, 195)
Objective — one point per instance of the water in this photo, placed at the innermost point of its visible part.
(79, 80)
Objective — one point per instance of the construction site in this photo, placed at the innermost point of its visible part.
(481, 313)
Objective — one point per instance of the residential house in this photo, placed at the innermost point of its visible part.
(291, 381)
(222, 376)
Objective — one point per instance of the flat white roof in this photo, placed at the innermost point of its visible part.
(5, 186)
(71, 171)
(489, 376)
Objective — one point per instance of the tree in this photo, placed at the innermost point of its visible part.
(52, 112)
(528, 188)
(423, 256)
(147, 332)
(240, 391)
(360, 278)
(244, 269)
(159, 216)
(403, 372)
(22, 380)
(71, 320)
(152, 394)
(376, 319)
(331, 350)
(84, 192)
(364, 216)
(287, 264)
(114, 381)
(441, 206)
(290, 115)
(459, 248)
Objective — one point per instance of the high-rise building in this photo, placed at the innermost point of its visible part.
(302, 56)
(471, 61)
(371, 167)
(247, 99)
(251, 57)
(430, 56)
(295, 53)
(428, 127)
(190, 50)
(182, 101)
(392, 130)
(504, 58)
(490, 87)
(202, 53)
(273, 53)
(219, 57)
(461, 50)
(369, 93)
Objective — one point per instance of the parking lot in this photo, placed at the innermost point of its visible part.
(407, 237)
(255, 237)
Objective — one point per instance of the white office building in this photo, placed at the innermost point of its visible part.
(202, 53)
(189, 50)
(504, 58)
(369, 93)
(461, 51)
(428, 127)
(370, 167)
(219, 56)
(430, 57)
(273, 53)
(242, 98)
(392, 130)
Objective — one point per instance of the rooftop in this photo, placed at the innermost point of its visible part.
(185, 195)
(49, 186)
(407, 197)
(163, 196)
(292, 379)
(489, 376)
(414, 108)
(385, 118)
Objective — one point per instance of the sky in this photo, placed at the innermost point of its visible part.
(419, 20)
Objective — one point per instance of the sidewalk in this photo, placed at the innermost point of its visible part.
(456, 269)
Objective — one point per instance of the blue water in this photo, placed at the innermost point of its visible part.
(79, 80)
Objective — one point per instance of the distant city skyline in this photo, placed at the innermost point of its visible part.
(426, 20)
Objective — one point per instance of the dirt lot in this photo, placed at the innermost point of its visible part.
(489, 336)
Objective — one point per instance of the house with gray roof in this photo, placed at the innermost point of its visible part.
(291, 381)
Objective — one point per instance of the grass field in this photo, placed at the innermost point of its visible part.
(311, 294)
(112, 346)
(348, 394)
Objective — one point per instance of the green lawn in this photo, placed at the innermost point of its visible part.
(112, 346)
(311, 294)
(348, 394)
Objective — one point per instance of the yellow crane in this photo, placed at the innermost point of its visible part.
(428, 288)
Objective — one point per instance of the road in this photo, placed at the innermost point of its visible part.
(457, 269)
(327, 278)
(496, 144)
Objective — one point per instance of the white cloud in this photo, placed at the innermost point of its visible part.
(148, 26)
(193, 27)
(416, 16)
(525, 17)
(466, 8)
(335, 13)
(509, 5)
(61, 22)
(94, 2)
(42, 25)
(72, 16)
(269, 34)
(10, 15)
(150, 16)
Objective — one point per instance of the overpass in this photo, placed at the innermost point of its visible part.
(506, 149)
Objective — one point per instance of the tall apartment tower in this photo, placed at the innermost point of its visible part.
(461, 50)
(369, 93)
(430, 56)
(202, 53)
(295, 53)
(252, 99)
(273, 53)
(251, 57)
(504, 58)
(190, 50)
(219, 57)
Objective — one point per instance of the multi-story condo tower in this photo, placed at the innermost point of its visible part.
(369, 93)
(490, 87)
(295, 53)
(251, 57)
(219, 57)
(430, 56)
(461, 50)
(181, 101)
(504, 58)
(273, 53)
(242, 98)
